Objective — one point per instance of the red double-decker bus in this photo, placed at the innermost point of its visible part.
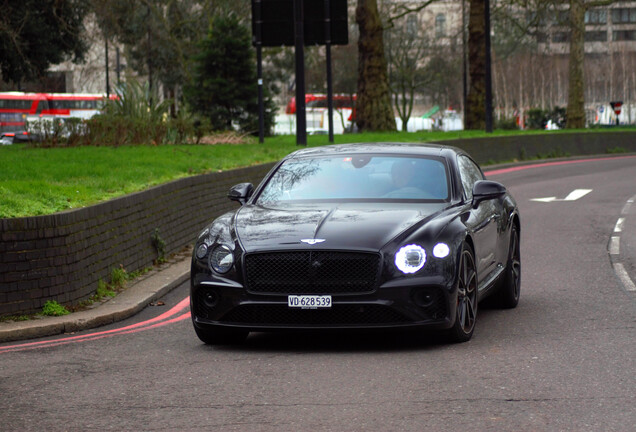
(78, 105)
(17, 109)
(319, 100)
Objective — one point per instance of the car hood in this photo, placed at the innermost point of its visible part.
(341, 226)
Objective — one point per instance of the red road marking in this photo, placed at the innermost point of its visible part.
(155, 322)
(547, 164)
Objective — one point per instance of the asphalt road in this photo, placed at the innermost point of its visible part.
(565, 359)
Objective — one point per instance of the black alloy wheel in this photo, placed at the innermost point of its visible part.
(466, 314)
(510, 290)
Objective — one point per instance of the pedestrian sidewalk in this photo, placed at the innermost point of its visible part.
(129, 302)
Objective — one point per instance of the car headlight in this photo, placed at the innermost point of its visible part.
(410, 258)
(221, 259)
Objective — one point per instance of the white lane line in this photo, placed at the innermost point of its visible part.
(624, 277)
(572, 196)
(615, 245)
(619, 225)
(614, 248)
(576, 194)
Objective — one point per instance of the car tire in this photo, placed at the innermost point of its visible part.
(510, 290)
(466, 308)
(221, 336)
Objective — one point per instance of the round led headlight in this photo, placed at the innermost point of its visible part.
(202, 251)
(410, 258)
(221, 259)
(441, 250)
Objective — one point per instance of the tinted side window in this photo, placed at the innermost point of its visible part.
(16, 104)
(470, 173)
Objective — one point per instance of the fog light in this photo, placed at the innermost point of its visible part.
(441, 250)
(211, 299)
(423, 298)
(202, 251)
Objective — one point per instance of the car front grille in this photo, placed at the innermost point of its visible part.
(312, 272)
(338, 315)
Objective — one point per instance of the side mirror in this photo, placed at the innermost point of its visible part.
(485, 190)
(241, 192)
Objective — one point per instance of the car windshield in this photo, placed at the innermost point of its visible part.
(359, 178)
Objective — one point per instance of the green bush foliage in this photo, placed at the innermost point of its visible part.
(224, 85)
(506, 124)
(538, 118)
(53, 308)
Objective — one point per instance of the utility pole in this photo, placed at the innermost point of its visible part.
(106, 61)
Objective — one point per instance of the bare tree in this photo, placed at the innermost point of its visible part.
(407, 51)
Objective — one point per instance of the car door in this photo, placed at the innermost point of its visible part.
(482, 221)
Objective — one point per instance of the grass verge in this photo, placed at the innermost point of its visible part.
(39, 181)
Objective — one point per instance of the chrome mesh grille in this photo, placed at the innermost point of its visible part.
(312, 272)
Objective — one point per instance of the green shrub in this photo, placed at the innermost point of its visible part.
(507, 124)
(118, 277)
(53, 308)
(537, 119)
(103, 291)
(616, 150)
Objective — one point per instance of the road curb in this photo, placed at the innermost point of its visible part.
(128, 303)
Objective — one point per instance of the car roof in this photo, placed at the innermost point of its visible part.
(423, 149)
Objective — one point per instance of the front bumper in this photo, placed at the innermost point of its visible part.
(413, 302)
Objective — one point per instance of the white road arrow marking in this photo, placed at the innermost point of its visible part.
(573, 196)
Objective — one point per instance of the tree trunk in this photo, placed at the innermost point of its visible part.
(476, 101)
(373, 106)
(576, 97)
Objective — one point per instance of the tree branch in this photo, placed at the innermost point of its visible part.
(402, 11)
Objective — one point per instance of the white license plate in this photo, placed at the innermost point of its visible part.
(309, 301)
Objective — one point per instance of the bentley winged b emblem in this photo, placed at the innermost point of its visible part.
(312, 241)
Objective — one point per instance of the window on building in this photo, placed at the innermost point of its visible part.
(624, 35)
(624, 15)
(562, 17)
(560, 37)
(595, 36)
(440, 25)
(596, 16)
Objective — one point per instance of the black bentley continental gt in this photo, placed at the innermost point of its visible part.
(358, 236)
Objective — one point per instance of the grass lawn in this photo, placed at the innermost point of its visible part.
(37, 181)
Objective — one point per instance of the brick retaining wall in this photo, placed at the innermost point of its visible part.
(63, 256)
